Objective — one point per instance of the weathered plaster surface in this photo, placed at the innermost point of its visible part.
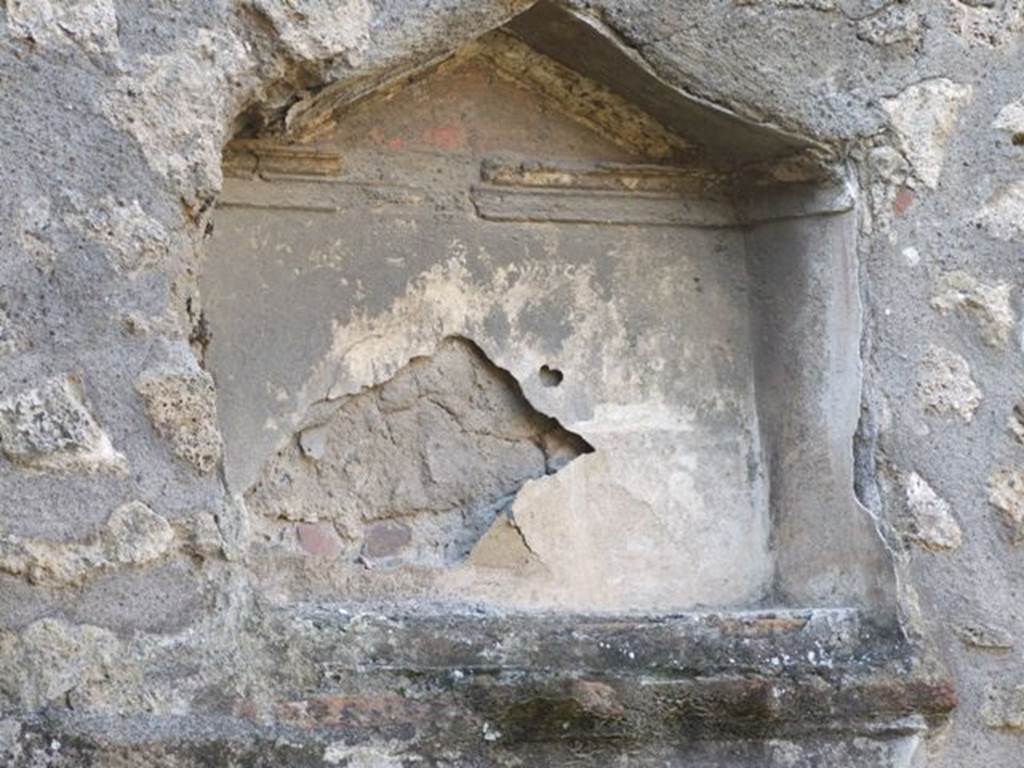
(125, 593)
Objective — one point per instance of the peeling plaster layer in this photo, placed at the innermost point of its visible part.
(412, 472)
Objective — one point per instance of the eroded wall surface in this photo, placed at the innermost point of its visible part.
(126, 596)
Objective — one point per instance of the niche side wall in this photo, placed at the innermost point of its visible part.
(807, 362)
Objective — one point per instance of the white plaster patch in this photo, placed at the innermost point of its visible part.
(447, 301)
(912, 256)
(608, 533)
(633, 417)
(924, 116)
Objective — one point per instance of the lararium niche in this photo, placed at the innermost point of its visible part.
(530, 330)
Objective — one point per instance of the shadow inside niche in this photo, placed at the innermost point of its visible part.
(415, 470)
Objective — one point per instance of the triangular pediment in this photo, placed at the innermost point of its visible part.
(573, 68)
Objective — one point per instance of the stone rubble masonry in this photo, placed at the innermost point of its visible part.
(49, 427)
(112, 122)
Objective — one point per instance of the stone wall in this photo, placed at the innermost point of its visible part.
(133, 622)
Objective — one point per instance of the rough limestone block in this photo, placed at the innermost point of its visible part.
(987, 304)
(44, 562)
(1011, 119)
(944, 384)
(132, 535)
(984, 636)
(136, 534)
(1002, 215)
(1004, 707)
(1006, 493)
(50, 658)
(924, 116)
(181, 403)
(932, 523)
(50, 428)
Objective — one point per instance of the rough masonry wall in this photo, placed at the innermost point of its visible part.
(118, 537)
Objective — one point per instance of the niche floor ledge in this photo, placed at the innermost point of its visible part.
(694, 686)
(536, 677)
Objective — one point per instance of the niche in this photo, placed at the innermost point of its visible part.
(533, 329)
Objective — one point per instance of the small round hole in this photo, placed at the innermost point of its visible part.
(550, 377)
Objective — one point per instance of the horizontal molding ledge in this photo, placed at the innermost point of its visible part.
(567, 205)
(588, 206)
